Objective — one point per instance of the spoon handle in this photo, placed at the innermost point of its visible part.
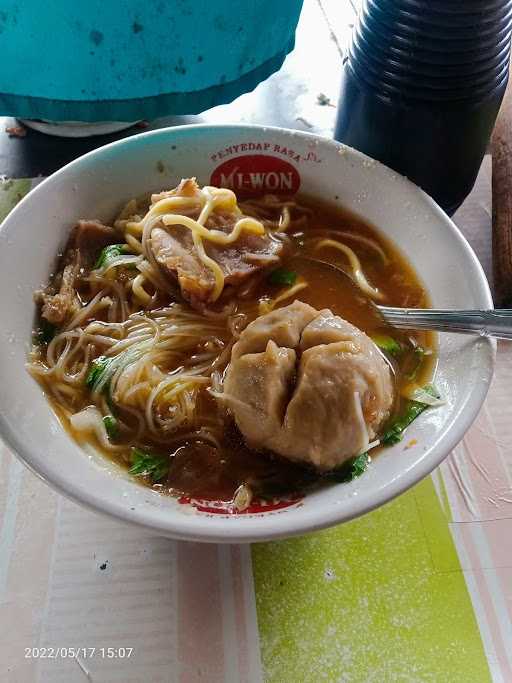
(495, 323)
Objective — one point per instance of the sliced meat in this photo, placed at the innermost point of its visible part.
(57, 307)
(175, 252)
(89, 238)
(188, 187)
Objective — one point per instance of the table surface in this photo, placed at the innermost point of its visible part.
(420, 590)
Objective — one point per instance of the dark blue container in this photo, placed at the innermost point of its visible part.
(422, 85)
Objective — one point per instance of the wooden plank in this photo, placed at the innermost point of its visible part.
(502, 203)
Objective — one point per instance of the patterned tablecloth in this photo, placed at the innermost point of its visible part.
(419, 590)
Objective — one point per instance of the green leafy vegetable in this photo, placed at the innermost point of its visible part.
(419, 354)
(395, 431)
(388, 344)
(350, 470)
(148, 465)
(45, 332)
(359, 465)
(111, 425)
(102, 368)
(282, 277)
(108, 254)
(96, 372)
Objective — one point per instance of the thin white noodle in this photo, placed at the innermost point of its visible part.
(55, 342)
(121, 261)
(135, 389)
(76, 377)
(358, 412)
(126, 343)
(140, 421)
(96, 304)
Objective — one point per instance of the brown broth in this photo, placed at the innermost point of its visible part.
(201, 470)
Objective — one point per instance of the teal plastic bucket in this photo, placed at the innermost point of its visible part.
(123, 60)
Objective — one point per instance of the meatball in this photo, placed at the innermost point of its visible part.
(308, 385)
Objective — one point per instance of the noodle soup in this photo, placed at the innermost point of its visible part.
(136, 335)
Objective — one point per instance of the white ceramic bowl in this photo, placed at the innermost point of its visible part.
(97, 185)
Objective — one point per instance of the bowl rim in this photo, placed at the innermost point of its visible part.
(181, 527)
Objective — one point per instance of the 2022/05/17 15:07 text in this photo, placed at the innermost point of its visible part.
(73, 652)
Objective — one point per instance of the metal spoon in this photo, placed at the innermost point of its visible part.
(494, 323)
